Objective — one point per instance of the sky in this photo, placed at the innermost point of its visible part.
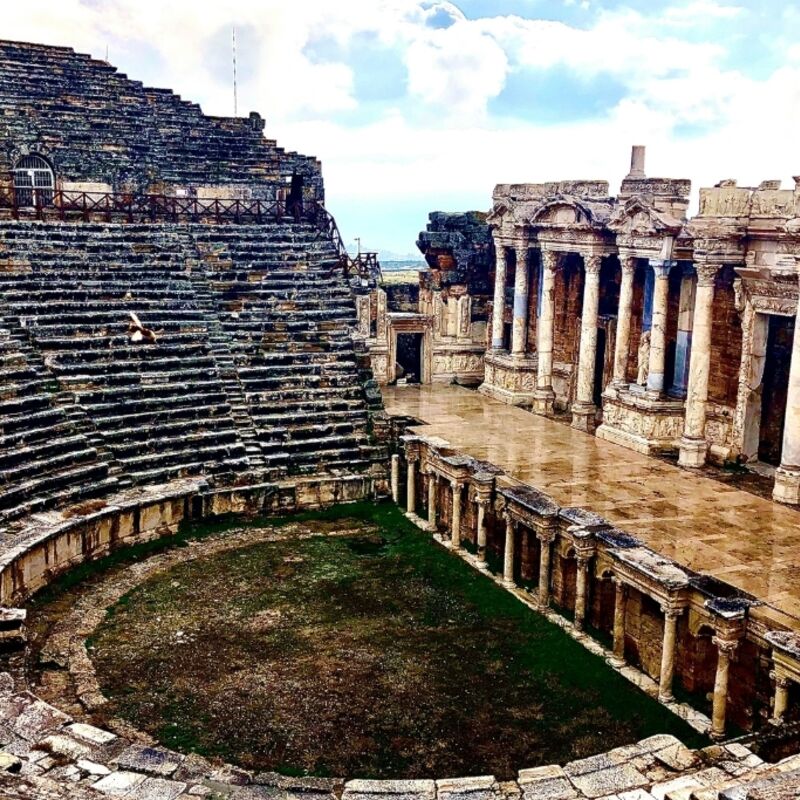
(422, 105)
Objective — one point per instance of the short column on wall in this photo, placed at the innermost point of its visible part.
(581, 581)
(545, 540)
(620, 602)
(455, 517)
(508, 552)
(395, 478)
(411, 486)
(671, 615)
(432, 499)
(725, 651)
(583, 409)
(781, 698)
(544, 395)
(481, 533)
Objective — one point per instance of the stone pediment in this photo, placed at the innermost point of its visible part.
(564, 212)
(639, 218)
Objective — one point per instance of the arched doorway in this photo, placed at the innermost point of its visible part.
(34, 182)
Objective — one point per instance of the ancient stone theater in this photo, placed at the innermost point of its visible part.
(584, 413)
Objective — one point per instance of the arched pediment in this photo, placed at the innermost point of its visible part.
(638, 217)
(495, 216)
(561, 212)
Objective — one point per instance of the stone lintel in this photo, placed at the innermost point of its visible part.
(786, 649)
(661, 574)
(616, 538)
(581, 518)
(728, 609)
(531, 500)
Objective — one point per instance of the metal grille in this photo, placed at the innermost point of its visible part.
(33, 182)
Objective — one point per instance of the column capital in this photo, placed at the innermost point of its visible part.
(671, 613)
(411, 458)
(582, 560)
(628, 264)
(781, 681)
(661, 266)
(706, 274)
(726, 647)
(592, 263)
(551, 259)
(456, 484)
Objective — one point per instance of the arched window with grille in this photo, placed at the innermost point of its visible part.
(34, 182)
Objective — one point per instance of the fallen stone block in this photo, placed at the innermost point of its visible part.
(119, 784)
(151, 760)
(389, 790)
(615, 779)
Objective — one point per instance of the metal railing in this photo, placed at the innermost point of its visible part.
(121, 207)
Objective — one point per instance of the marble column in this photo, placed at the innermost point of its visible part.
(544, 569)
(411, 487)
(581, 582)
(519, 336)
(620, 601)
(658, 329)
(499, 307)
(787, 476)
(482, 504)
(508, 553)
(668, 655)
(694, 447)
(432, 500)
(583, 410)
(781, 701)
(623, 335)
(395, 479)
(455, 521)
(725, 650)
(544, 395)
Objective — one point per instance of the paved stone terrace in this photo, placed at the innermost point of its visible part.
(708, 526)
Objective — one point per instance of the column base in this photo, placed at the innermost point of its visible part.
(617, 662)
(583, 417)
(787, 486)
(509, 584)
(692, 453)
(544, 401)
(716, 736)
(666, 698)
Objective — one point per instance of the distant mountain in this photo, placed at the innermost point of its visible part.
(401, 265)
(392, 255)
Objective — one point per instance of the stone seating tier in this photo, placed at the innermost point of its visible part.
(253, 369)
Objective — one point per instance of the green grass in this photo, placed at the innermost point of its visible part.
(376, 654)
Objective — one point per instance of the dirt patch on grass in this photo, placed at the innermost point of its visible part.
(371, 654)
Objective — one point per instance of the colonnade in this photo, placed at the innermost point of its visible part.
(582, 545)
(693, 449)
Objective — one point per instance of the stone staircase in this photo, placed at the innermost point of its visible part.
(288, 317)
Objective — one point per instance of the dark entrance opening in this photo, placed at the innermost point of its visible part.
(599, 367)
(774, 388)
(409, 357)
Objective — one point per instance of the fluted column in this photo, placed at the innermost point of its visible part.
(787, 476)
(411, 486)
(544, 569)
(581, 581)
(519, 336)
(508, 553)
(482, 504)
(725, 651)
(432, 500)
(395, 478)
(583, 410)
(658, 329)
(455, 521)
(544, 395)
(620, 601)
(623, 336)
(781, 701)
(693, 442)
(499, 307)
(668, 655)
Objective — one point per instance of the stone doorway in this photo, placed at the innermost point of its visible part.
(775, 383)
(409, 357)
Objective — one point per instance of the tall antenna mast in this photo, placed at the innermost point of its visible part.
(235, 94)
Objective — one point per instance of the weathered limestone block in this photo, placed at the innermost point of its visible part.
(152, 760)
(546, 783)
(484, 787)
(390, 790)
